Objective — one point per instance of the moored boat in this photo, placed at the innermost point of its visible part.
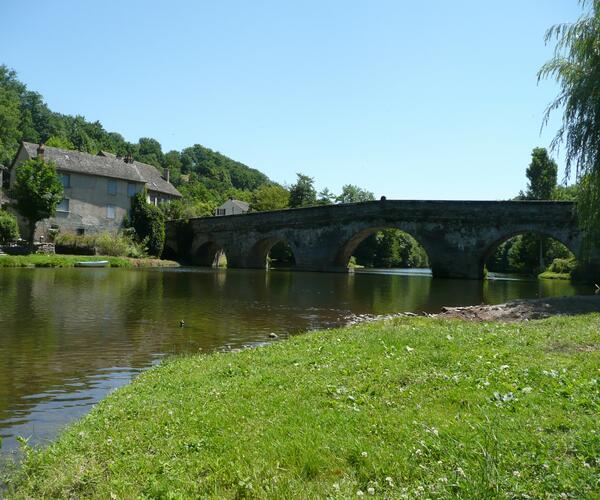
(92, 263)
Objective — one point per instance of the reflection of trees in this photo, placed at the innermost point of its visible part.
(500, 291)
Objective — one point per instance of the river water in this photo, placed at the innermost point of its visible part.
(70, 336)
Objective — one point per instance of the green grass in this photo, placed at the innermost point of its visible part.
(402, 408)
(40, 260)
(549, 275)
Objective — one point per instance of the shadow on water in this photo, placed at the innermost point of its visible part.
(70, 336)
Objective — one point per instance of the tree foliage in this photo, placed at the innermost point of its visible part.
(9, 229)
(576, 68)
(148, 222)
(542, 175)
(391, 248)
(37, 192)
(353, 194)
(303, 193)
(270, 197)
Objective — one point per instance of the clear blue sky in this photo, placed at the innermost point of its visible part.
(411, 99)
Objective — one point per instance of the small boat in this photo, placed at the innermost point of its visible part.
(92, 263)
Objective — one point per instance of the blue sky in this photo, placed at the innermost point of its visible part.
(409, 99)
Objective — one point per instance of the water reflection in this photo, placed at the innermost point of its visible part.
(69, 336)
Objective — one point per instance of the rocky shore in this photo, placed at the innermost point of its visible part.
(510, 312)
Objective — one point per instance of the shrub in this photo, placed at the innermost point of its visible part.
(149, 223)
(563, 266)
(9, 229)
(120, 245)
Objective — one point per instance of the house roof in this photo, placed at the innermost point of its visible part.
(104, 165)
(239, 203)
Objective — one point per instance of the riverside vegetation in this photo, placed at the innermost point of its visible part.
(398, 408)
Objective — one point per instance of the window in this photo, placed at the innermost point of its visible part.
(66, 180)
(221, 211)
(80, 231)
(63, 206)
(112, 186)
(132, 189)
(110, 212)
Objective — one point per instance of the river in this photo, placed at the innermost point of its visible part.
(70, 336)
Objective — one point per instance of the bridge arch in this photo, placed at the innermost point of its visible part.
(258, 253)
(571, 244)
(207, 253)
(351, 244)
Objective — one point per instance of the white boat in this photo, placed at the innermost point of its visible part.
(92, 263)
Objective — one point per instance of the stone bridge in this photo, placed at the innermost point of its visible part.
(458, 236)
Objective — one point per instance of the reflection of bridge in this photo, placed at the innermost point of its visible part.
(458, 236)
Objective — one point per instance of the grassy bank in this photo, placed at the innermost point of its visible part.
(406, 407)
(549, 275)
(39, 260)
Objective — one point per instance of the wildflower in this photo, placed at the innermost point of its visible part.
(371, 490)
(449, 337)
(359, 493)
(409, 349)
(389, 481)
(516, 473)
(504, 367)
(418, 451)
(364, 454)
(460, 471)
(443, 480)
(527, 390)
(336, 486)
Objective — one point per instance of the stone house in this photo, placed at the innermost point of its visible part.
(232, 207)
(98, 188)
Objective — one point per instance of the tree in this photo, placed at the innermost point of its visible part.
(303, 193)
(148, 222)
(542, 173)
(10, 116)
(9, 229)
(576, 67)
(326, 197)
(270, 197)
(354, 194)
(37, 192)
(60, 142)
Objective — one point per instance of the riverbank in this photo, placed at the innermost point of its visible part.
(57, 260)
(406, 406)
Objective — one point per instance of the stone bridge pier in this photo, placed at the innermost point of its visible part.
(458, 236)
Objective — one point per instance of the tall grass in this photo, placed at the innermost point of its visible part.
(115, 245)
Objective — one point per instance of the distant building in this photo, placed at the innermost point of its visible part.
(232, 207)
(98, 188)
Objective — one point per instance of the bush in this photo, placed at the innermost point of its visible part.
(563, 266)
(9, 229)
(99, 244)
(149, 224)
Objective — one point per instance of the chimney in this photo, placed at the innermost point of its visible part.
(166, 175)
(40, 151)
(128, 158)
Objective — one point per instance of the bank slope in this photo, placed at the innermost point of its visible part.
(401, 407)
